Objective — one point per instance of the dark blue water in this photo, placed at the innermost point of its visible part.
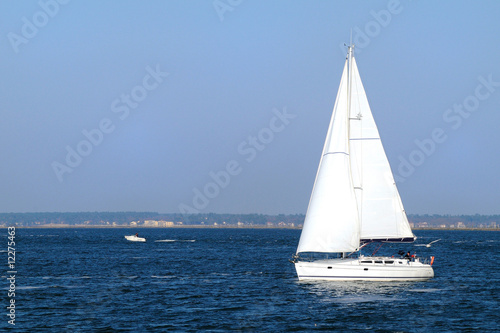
(86, 280)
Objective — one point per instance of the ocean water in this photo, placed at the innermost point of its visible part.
(93, 280)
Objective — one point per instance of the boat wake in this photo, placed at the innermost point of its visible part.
(364, 299)
(174, 240)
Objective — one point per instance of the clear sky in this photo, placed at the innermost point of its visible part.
(223, 106)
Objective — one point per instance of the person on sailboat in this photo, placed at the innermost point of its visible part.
(137, 235)
(408, 255)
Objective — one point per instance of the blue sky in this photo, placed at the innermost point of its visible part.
(223, 106)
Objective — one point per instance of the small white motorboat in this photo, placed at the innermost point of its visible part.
(135, 238)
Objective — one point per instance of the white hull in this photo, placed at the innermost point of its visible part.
(135, 239)
(364, 268)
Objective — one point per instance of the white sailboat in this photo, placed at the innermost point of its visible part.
(354, 200)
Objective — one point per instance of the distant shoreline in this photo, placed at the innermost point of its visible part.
(227, 226)
(218, 220)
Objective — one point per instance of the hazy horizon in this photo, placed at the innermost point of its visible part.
(223, 106)
(222, 213)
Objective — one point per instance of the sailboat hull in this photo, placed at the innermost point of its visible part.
(364, 268)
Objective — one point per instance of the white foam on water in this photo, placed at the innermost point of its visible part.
(30, 287)
(162, 277)
(364, 299)
(425, 290)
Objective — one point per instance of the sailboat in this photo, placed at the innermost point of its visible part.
(354, 201)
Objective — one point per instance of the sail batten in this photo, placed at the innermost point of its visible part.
(354, 198)
(336, 152)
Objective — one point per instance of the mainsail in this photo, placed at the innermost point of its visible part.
(354, 198)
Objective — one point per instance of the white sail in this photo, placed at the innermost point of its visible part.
(354, 198)
(332, 223)
(381, 211)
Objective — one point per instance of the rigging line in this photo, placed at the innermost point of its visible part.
(378, 248)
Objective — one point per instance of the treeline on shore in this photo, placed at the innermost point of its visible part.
(126, 218)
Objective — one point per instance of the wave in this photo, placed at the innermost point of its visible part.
(31, 287)
(41, 236)
(163, 277)
(425, 290)
(176, 240)
(364, 299)
(65, 277)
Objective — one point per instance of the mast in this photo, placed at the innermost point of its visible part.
(350, 54)
(350, 50)
(354, 126)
